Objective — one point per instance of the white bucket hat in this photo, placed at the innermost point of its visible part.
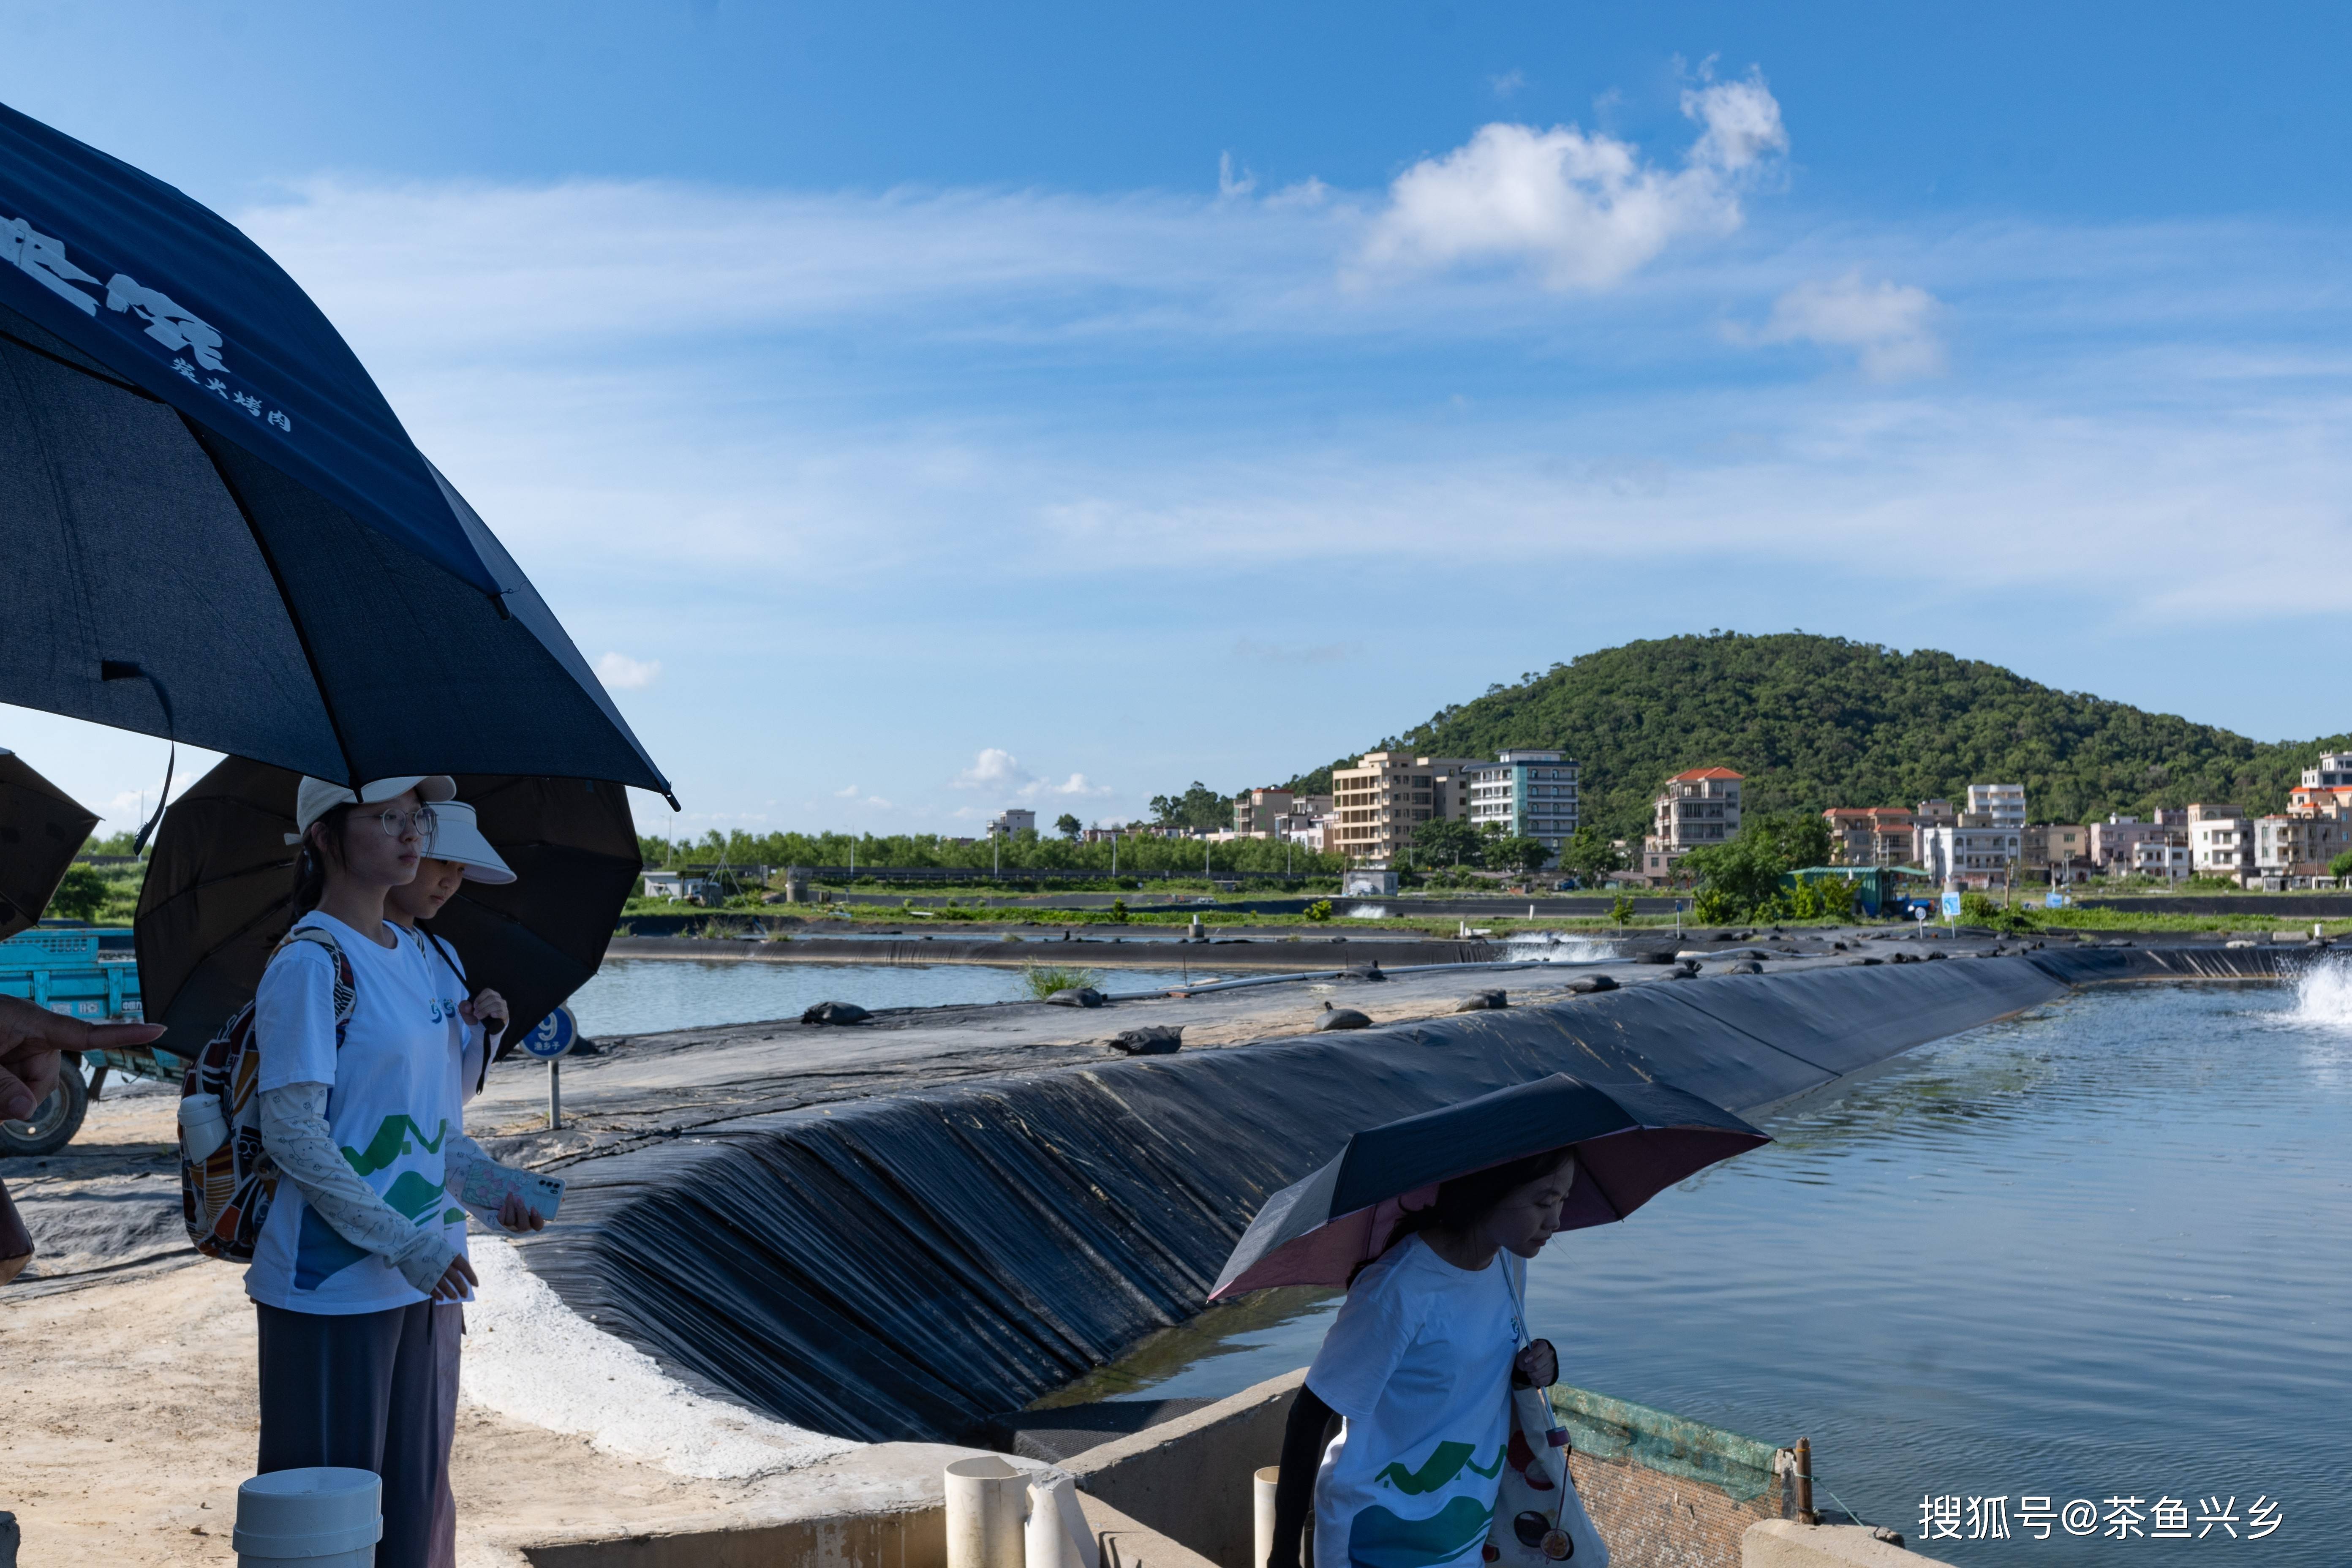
(317, 796)
(457, 835)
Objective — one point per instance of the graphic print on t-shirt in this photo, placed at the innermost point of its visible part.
(1418, 1361)
(320, 1252)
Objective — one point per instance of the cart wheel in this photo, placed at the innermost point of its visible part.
(53, 1124)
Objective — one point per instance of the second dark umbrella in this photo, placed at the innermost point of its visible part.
(1632, 1141)
(214, 902)
(42, 828)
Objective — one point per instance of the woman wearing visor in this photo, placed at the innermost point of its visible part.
(360, 1102)
(459, 854)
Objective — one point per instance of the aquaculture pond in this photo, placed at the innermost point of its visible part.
(638, 995)
(2100, 1254)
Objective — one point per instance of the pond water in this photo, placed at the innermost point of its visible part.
(2098, 1252)
(639, 995)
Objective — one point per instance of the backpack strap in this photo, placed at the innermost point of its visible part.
(347, 986)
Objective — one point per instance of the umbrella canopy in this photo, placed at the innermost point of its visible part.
(41, 830)
(214, 902)
(1632, 1141)
(218, 531)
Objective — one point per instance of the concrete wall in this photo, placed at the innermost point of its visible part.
(1190, 1477)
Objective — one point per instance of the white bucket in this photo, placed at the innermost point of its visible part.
(988, 1505)
(317, 1518)
(1261, 1500)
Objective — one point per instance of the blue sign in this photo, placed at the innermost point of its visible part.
(553, 1037)
(1951, 906)
(2054, 900)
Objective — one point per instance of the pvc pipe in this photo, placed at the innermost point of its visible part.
(1261, 1500)
(1057, 1535)
(987, 1505)
(323, 1518)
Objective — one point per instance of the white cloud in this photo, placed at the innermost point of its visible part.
(1230, 184)
(847, 792)
(1506, 83)
(1077, 786)
(1581, 211)
(994, 768)
(1888, 324)
(622, 673)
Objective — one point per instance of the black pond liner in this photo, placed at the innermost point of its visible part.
(905, 1265)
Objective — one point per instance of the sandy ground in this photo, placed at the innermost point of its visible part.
(131, 1420)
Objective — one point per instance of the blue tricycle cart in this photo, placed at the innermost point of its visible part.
(83, 971)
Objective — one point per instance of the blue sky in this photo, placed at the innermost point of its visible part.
(919, 410)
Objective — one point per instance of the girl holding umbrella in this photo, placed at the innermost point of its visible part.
(1429, 1222)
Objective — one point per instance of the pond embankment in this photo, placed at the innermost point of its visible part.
(904, 1261)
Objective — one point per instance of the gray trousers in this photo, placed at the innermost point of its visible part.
(366, 1390)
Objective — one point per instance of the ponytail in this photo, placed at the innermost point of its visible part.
(322, 841)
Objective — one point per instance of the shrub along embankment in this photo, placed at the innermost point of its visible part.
(905, 1266)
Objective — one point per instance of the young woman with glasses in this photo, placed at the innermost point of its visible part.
(360, 1102)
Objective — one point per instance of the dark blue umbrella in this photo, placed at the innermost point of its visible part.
(1632, 1141)
(218, 531)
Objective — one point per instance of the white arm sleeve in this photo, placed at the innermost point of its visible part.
(294, 1132)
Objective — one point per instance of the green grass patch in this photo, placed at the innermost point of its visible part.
(1044, 980)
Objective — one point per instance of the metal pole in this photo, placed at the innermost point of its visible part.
(555, 1095)
(1805, 1514)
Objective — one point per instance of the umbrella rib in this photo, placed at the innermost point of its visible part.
(285, 598)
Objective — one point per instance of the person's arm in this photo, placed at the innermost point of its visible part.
(1303, 1442)
(294, 1132)
(31, 1038)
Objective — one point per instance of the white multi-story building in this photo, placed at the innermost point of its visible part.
(2165, 856)
(2299, 845)
(1525, 795)
(2002, 804)
(2334, 772)
(1012, 819)
(1973, 855)
(2221, 841)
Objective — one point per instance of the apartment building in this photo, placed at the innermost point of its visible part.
(1871, 835)
(1255, 811)
(2334, 772)
(2221, 841)
(2000, 804)
(2299, 847)
(2166, 855)
(1935, 814)
(2054, 852)
(1524, 795)
(1377, 804)
(1698, 808)
(2112, 840)
(1012, 819)
(1972, 853)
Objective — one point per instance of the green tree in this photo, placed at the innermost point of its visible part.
(1449, 842)
(1068, 826)
(81, 895)
(2341, 866)
(1741, 879)
(1591, 855)
(1525, 856)
(1200, 808)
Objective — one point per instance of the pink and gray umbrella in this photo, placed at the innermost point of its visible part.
(1632, 1141)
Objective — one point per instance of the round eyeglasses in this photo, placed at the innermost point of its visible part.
(421, 819)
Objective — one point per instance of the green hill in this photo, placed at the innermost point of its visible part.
(1815, 721)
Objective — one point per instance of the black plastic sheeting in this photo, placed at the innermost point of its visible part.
(902, 1267)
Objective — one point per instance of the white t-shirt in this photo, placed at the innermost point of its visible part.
(392, 1106)
(1419, 1362)
(472, 1039)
